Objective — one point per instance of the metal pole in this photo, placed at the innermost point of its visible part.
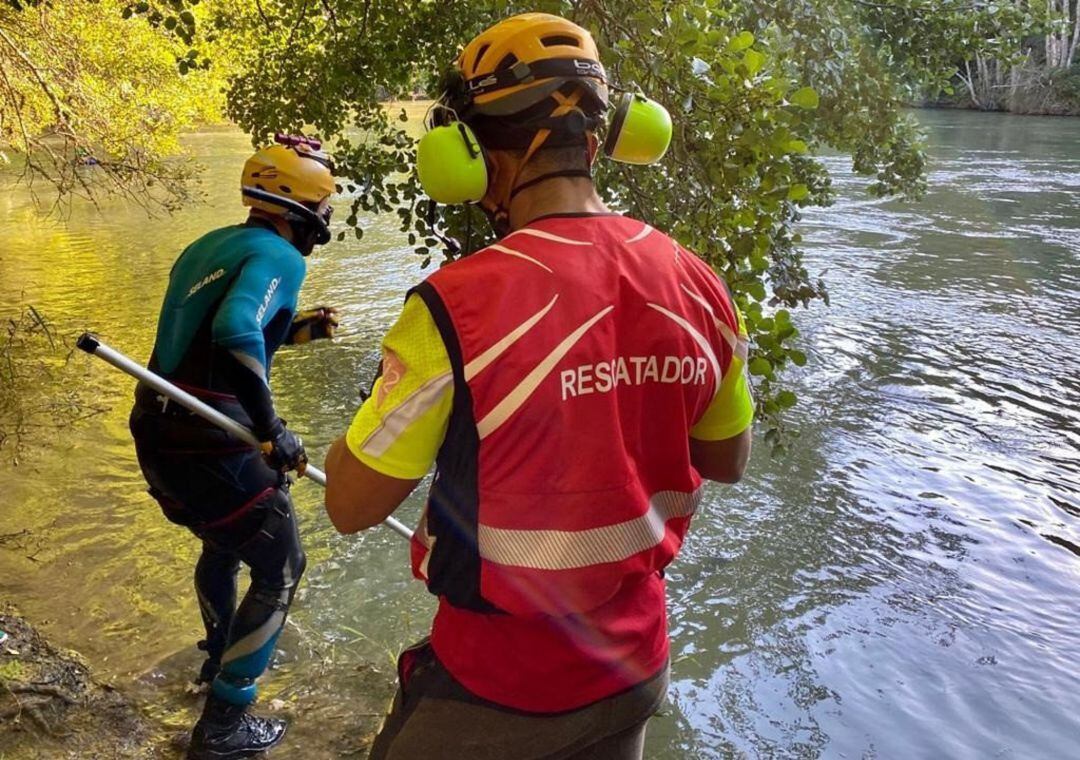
(91, 344)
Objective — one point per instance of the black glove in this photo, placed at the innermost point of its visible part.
(283, 450)
(313, 324)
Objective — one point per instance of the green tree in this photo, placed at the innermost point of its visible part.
(755, 89)
(93, 99)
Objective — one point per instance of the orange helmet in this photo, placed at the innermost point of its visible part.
(292, 179)
(523, 60)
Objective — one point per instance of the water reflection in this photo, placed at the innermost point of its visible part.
(901, 586)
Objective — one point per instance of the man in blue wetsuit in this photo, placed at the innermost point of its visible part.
(230, 304)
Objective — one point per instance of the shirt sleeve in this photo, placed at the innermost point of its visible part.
(399, 429)
(732, 409)
(268, 283)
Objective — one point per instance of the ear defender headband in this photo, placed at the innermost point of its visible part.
(450, 161)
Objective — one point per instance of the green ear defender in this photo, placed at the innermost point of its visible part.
(640, 131)
(450, 165)
(452, 169)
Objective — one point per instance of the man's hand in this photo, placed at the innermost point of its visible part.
(283, 450)
(313, 324)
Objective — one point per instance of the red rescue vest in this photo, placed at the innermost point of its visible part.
(583, 348)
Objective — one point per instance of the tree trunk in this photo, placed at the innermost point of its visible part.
(1049, 36)
(1076, 36)
(969, 80)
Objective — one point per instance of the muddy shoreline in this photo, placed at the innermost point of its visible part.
(52, 705)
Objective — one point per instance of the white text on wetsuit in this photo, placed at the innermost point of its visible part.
(603, 377)
(266, 299)
(216, 275)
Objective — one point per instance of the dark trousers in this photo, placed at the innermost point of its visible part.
(435, 718)
(222, 491)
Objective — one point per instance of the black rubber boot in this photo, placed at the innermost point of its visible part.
(226, 731)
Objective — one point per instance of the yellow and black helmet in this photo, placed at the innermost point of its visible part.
(522, 61)
(292, 178)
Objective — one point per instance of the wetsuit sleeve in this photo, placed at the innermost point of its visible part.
(400, 428)
(732, 408)
(265, 290)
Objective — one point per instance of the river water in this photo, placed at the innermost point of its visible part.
(902, 585)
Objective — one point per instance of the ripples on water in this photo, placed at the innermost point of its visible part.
(902, 586)
(905, 585)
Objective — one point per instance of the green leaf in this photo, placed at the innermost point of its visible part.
(760, 367)
(805, 97)
(797, 146)
(786, 399)
(741, 42)
(798, 192)
(753, 61)
(798, 358)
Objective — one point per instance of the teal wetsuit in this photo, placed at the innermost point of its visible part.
(231, 299)
(229, 306)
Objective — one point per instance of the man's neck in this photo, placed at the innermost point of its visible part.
(272, 223)
(558, 195)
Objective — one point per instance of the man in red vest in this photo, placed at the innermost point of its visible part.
(573, 383)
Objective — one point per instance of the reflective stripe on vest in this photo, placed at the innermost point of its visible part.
(567, 549)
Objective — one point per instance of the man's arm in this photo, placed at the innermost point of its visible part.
(267, 284)
(723, 461)
(358, 497)
(720, 440)
(395, 437)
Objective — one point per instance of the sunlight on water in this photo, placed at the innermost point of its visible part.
(902, 585)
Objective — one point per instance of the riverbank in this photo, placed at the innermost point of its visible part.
(1030, 91)
(53, 705)
(1046, 107)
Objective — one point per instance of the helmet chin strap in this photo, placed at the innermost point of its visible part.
(499, 212)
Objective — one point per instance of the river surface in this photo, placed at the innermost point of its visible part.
(902, 585)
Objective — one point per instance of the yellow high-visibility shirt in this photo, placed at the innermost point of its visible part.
(732, 409)
(399, 429)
